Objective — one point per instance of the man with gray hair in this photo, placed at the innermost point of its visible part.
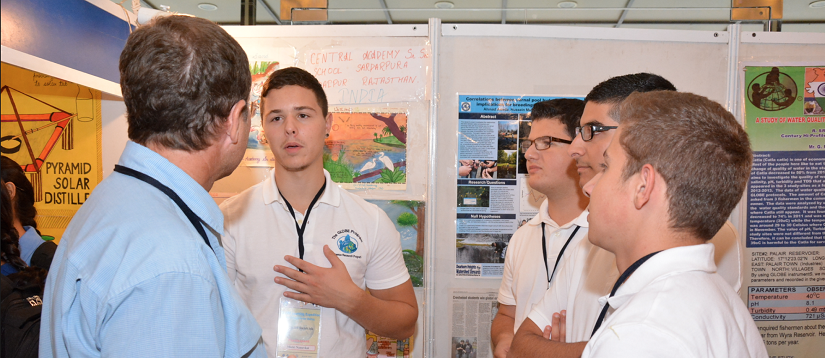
(140, 270)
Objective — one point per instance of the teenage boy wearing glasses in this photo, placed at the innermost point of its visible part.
(589, 142)
(537, 246)
(589, 272)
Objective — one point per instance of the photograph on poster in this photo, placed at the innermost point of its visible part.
(367, 148)
(506, 168)
(465, 347)
(814, 91)
(481, 248)
(507, 135)
(524, 132)
(474, 196)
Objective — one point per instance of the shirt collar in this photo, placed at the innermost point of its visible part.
(331, 195)
(668, 262)
(147, 161)
(544, 217)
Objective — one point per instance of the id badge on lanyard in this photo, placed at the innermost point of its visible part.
(299, 329)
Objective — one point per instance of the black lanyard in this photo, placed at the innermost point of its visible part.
(306, 218)
(544, 250)
(618, 283)
(193, 218)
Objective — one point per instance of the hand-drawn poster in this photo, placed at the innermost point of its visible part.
(367, 148)
(408, 217)
(52, 129)
(383, 347)
(785, 236)
(493, 196)
(258, 153)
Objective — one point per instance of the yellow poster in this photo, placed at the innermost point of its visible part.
(52, 129)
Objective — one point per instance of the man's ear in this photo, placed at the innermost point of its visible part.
(329, 123)
(644, 186)
(235, 121)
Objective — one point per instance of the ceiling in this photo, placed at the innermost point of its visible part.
(711, 15)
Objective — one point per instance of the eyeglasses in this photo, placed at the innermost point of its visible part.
(588, 131)
(542, 143)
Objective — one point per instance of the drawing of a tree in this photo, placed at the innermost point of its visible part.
(392, 126)
(416, 221)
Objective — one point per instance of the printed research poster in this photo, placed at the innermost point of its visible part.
(493, 198)
(784, 273)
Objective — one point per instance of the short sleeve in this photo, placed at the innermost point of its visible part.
(506, 295)
(172, 315)
(228, 242)
(386, 268)
(635, 340)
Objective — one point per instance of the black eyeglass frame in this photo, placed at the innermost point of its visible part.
(549, 142)
(593, 130)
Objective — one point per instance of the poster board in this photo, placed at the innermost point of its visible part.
(532, 60)
(782, 279)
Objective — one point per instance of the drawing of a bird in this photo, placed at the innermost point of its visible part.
(386, 160)
(370, 164)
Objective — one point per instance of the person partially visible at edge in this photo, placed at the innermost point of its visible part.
(561, 221)
(655, 204)
(140, 270)
(349, 245)
(34, 251)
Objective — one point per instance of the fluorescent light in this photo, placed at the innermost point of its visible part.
(567, 4)
(207, 7)
(817, 4)
(444, 5)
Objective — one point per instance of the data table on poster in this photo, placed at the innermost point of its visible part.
(786, 303)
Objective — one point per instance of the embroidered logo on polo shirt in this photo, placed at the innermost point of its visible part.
(347, 242)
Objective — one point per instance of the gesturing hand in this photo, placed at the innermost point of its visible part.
(328, 287)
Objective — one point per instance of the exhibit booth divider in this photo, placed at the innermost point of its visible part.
(413, 104)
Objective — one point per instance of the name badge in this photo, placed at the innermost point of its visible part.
(299, 329)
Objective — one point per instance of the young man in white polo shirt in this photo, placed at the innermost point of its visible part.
(655, 204)
(297, 237)
(598, 273)
(536, 247)
(588, 272)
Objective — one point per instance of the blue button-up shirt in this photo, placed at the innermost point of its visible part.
(133, 278)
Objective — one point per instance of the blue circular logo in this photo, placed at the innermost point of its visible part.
(347, 245)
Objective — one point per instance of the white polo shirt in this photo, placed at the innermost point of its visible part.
(676, 305)
(524, 280)
(589, 272)
(259, 231)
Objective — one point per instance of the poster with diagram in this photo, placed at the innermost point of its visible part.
(52, 129)
(493, 198)
(784, 277)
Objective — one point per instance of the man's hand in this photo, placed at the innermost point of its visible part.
(558, 331)
(503, 347)
(327, 287)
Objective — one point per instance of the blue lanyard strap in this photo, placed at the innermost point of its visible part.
(616, 286)
(193, 218)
